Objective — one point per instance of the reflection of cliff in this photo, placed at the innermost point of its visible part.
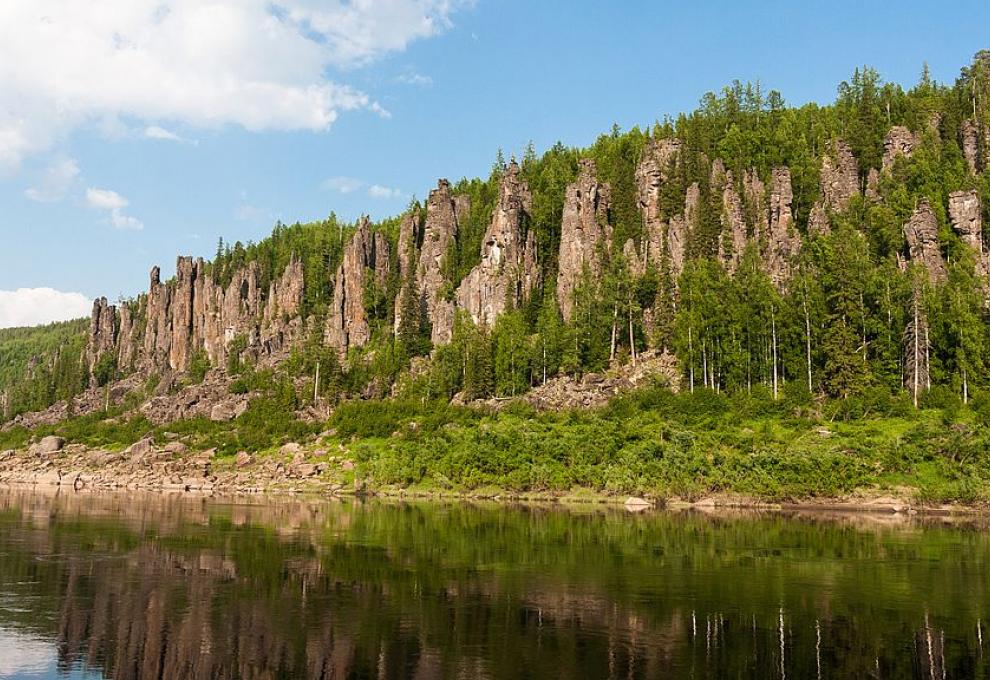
(152, 586)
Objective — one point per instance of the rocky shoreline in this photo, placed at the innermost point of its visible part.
(148, 466)
(311, 471)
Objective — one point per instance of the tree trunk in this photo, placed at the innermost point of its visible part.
(773, 326)
(690, 360)
(615, 321)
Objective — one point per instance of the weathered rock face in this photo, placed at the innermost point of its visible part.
(969, 138)
(755, 203)
(365, 256)
(191, 313)
(656, 168)
(965, 213)
(733, 240)
(239, 306)
(585, 233)
(103, 331)
(783, 242)
(839, 183)
(921, 233)
(679, 230)
(180, 346)
(128, 338)
(508, 271)
(900, 141)
(444, 213)
(409, 240)
(282, 324)
(157, 334)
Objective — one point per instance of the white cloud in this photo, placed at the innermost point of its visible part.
(388, 193)
(157, 132)
(114, 203)
(106, 199)
(33, 306)
(55, 182)
(413, 78)
(252, 63)
(343, 185)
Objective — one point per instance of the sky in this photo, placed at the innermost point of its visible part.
(132, 131)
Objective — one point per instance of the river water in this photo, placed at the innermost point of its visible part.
(150, 586)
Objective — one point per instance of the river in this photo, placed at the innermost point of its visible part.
(156, 586)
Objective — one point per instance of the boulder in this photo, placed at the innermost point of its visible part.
(290, 449)
(141, 447)
(47, 445)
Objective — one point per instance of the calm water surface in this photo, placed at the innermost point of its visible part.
(121, 586)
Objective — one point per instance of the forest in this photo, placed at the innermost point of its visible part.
(857, 314)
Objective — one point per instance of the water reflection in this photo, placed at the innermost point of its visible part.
(129, 586)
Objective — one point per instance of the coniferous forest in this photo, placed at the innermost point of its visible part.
(826, 262)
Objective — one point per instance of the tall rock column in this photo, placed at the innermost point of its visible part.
(969, 139)
(900, 141)
(444, 212)
(508, 270)
(365, 256)
(839, 183)
(966, 215)
(103, 331)
(656, 168)
(408, 257)
(921, 233)
(732, 242)
(281, 322)
(585, 233)
(157, 334)
(783, 242)
(180, 348)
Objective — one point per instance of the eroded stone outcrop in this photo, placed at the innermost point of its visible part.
(783, 242)
(365, 259)
(734, 236)
(921, 233)
(965, 213)
(969, 139)
(102, 331)
(839, 183)
(508, 270)
(444, 212)
(585, 233)
(900, 141)
(658, 167)
(282, 323)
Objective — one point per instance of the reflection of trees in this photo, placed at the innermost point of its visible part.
(172, 587)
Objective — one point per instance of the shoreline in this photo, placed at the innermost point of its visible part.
(222, 487)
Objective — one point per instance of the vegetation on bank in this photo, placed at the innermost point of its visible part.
(650, 442)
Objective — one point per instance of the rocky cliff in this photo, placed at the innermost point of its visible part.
(508, 270)
(444, 212)
(921, 234)
(839, 183)
(365, 263)
(585, 234)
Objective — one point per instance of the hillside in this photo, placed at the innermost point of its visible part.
(809, 253)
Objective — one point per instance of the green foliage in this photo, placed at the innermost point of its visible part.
(199, 365)
(41, 365)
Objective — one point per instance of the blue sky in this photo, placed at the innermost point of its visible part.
(124, 141)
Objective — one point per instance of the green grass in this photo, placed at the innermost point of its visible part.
(650, 442)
